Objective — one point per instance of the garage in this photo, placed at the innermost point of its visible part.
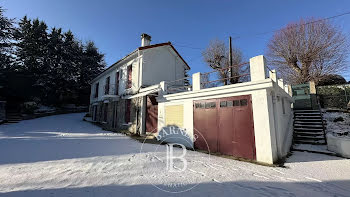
(226, 126)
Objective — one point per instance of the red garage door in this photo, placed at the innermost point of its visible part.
(226, 124)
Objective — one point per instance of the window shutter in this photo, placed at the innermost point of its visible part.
(127, 111)
(129, 81)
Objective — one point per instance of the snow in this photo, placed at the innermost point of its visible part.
(64, 156)
(43, 108)
(340, 126)
(311, 147)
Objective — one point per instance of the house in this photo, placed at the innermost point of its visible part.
(123, 96)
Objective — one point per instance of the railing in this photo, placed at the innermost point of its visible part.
(179, 85)
(223, 76)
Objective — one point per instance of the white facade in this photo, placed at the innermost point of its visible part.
(271, 105)
(149, 66)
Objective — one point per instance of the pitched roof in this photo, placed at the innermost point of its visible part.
(144, 48)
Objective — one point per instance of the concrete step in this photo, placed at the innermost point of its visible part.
(306, 110)
(10, 121)
(308, 125)
(307, 129)
(308, 122)
(309, 138)
(309, 134)
(320, 142)
(307, 113)
(308, 119)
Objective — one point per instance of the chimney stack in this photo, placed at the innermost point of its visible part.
(145, 40)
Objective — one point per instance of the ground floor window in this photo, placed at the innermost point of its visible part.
(127, 111)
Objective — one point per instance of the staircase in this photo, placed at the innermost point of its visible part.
(309, 127)
(13, 117)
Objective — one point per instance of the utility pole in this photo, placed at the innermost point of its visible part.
(230, 58)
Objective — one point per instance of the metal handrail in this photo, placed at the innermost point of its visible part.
(323, 126)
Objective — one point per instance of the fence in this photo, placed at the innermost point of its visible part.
(336, 96)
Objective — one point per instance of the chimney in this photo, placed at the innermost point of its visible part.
(145, 40)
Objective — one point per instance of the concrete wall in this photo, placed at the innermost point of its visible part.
(338, 144)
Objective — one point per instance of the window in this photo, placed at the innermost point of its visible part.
(96, 90)
(243, 102)
(229, 103)
(127, 111)
(236, 103)
(212, 105)
(108, 80)
(223, 104)
(129, 81)
(198, 105)
(117, 83)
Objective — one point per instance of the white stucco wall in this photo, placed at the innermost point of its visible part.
(284, 122)
(122, 68)
(149, 67)
(161, 64)
(265, 137)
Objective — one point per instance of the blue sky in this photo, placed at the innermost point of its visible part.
(116, 26)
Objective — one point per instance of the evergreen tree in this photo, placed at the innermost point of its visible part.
(32, 46)
(92, 64)
(33, 57)
(6, 41)
(50, 65)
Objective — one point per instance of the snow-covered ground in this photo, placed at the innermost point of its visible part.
(338, 126)
(65, 156)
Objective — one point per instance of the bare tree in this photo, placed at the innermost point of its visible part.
(308, 50)
(216, 56)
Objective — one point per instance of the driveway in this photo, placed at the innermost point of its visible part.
(65, 156)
